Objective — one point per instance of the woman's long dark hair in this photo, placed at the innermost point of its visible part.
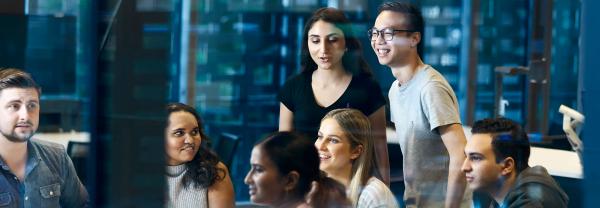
(202, 171)
(291, 152)
(353, 60)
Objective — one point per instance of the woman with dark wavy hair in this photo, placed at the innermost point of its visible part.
(334, 75)
(195, 177)
(285, 173)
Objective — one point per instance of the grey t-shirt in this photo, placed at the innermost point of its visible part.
(417, 108)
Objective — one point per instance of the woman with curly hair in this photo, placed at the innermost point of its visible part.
(195, 177)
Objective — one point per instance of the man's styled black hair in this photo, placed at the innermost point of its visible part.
(413, 15)
(508, 140)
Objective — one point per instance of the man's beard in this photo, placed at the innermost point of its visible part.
(13, 137)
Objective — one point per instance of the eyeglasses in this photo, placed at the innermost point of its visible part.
(388, 33)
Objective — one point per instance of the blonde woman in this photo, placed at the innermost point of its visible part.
(345, 147)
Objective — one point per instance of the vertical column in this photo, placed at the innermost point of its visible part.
(590, 95)
(13, 40)
(468, 60)
(132, 90)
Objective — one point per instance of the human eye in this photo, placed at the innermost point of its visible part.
(178, 133)
(13, 106)
(32, 106)
(373, 32)
(333, 39)
(334, 140)
(388, 33)
(258, 168)
(195, 132)
(476, 158)
(315, 40)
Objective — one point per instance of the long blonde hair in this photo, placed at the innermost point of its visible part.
(357, 128)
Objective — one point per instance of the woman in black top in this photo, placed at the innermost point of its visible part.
(334, 75)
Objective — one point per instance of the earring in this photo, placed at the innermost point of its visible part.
(346, 50)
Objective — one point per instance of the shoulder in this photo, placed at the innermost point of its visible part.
(536, 195)
(222, 166)
(53, 155)
(436, 87)
(375, 194)
(47, 145)
(222, 177)
(375, 186)
(46, 148)
(430, 75)
(433, 74)
(432, 79)
(293, 85)
(297, 79)
(221, 194)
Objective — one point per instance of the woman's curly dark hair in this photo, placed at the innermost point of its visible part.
(203, 170)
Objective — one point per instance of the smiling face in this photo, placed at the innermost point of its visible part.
(265, 185)
(19, 113)
(326, 45)
(394, 52)
(335, 148)
(182, 138)
(480, 167)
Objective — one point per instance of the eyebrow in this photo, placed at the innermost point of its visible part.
(335, 136)
(18, 101)
(475, 154)
(14, 101)
(329, 35)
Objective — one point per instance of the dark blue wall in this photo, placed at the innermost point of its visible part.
(590, 64)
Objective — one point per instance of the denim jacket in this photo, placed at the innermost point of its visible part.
(50, 180)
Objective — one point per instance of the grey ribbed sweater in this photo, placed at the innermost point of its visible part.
(178, 195)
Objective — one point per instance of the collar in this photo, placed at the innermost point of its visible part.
(33, 158)
(3, 165)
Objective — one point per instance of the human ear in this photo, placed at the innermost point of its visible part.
(356, 152)
(415, 39)
(508, 166)
(291, 180)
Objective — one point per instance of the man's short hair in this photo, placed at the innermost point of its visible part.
(16, 78)
(508, 140)
(413, 15)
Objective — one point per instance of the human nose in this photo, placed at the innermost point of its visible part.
(324, 46)
(248, 178)
(189, 139)
(23, 114)
(320, 144)
(466, 166)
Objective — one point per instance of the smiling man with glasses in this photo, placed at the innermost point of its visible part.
(424, 110)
